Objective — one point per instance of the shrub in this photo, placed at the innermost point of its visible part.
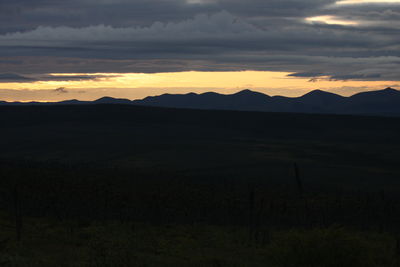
(330, 247)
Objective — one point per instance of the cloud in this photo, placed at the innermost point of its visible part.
(306, 74)
(198, 38)
(317, 76)
(13, 77)
(345, 77)
(83, 77)
(200, 27)
(86, 37)
(366, 2)
(61, 90)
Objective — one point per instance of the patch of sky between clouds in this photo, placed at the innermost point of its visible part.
(355, 2)
(337, 20)
(328, 19)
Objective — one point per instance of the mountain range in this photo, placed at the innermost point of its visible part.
(381, 102)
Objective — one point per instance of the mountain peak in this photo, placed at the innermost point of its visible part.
(105, 98)
(245, 91)
(320, 93)
(388, 92)
(111, 100)
(248, 92)
(385, 101)
(390, 89)
(70, 101)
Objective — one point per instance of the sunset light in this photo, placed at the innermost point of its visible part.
(140, 85)
(356, 2)
(331, 20)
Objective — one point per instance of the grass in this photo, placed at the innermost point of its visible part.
(135, 186)
(98, 244)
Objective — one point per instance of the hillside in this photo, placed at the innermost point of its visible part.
(383, 102)
(113, 185)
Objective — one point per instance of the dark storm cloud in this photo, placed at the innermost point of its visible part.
(178, 35)
(28, 14)
(72, 77)
(13, 77)
(306, 74)
(339, 77)
(355, 77)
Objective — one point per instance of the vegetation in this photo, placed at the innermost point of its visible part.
(61, 216)
(197, 189)
(48, 243)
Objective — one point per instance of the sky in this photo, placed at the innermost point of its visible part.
(53, 50)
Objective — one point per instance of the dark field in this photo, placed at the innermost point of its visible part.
(119, 185)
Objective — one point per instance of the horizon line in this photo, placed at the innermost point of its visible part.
(242, 90)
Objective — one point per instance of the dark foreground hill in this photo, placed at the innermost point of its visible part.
(125, 185)
(141, 136)
(383, 102)
(340, 152)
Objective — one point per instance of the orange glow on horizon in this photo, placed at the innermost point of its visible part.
(139, 85)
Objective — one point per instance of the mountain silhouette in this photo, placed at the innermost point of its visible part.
(244, 100)
(388, 95)
(111, 100)
(381, 102)
(319, 97)
(71, 102)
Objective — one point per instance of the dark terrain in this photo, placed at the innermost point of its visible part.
(382, 102)
(127, 185)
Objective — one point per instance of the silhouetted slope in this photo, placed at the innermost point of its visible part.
(318, 101)
(71, 102)
(318, 97)
(244, 100)
(385, 101)
(111, 100)
(380, 95)
(382, 102)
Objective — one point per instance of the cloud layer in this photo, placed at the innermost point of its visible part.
(43, 36)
